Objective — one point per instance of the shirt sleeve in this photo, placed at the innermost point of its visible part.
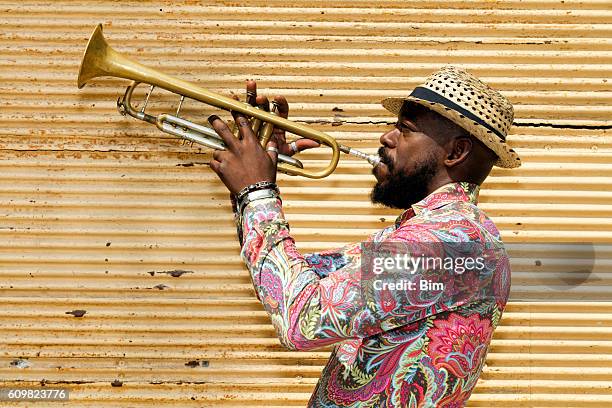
(317, 301)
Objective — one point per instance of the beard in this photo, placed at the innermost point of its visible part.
(401, 190)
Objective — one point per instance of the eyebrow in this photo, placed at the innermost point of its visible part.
(401, 123)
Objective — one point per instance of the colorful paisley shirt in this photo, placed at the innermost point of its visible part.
(393, 348)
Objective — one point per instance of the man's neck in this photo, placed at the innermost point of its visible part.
(437, 182)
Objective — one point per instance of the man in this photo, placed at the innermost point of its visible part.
(409, 347)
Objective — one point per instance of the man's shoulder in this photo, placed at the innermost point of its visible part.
(457, 219)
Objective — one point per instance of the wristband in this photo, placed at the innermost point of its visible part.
(254, 196)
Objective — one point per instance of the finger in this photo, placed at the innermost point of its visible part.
(272, 150)
(283, 106)
(279, 134)
(244, 127)
(219, 155)
(251, 92)
(220, 169)
(297, 146)
(215, 165)
(223, 131)
(263, 103)
(305, 144)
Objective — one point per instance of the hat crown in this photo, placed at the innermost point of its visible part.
(473, 95)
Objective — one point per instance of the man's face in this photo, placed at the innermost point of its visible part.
(410, 159)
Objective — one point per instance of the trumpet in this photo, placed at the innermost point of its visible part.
(100, 60)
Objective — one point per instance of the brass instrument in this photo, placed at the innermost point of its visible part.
(100, 59)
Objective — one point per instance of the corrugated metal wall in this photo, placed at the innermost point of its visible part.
(119, 272)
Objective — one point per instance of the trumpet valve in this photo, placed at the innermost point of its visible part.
(268, 128)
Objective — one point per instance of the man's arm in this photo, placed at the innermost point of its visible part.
(309, 311)
(288, 286)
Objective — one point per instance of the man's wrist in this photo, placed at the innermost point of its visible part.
(255, 195)
(253, 192)
(260, 185)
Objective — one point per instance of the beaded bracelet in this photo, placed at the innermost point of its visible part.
(260, 185)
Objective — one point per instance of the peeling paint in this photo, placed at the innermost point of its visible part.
(197, 363)
(176, 273)
(20, 363)
(77, 313)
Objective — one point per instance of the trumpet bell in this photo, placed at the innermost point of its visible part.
(94, 58)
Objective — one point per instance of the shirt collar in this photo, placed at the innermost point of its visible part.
(448, 193)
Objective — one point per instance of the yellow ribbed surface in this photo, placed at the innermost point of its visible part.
(103, 214)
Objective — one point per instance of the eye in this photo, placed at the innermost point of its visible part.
(405, 127)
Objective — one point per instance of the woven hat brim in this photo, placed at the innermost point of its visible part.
(507, 157)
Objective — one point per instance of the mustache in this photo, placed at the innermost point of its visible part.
(384, 158)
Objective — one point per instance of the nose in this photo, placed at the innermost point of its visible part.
(389, 139)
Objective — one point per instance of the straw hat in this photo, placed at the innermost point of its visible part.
(467, 101)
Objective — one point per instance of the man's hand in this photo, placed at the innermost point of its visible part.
(245, 161)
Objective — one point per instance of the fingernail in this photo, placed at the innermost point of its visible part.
(212, 118)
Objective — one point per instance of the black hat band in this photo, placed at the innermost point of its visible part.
(431, 96)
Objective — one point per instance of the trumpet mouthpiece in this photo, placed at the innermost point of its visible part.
(373, 159)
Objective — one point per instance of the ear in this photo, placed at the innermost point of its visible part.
(460, 150)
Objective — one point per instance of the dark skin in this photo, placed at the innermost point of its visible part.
(418, 132)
